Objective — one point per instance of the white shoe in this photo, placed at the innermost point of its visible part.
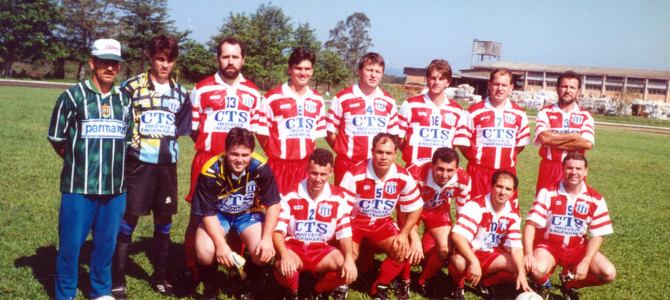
(106, 297)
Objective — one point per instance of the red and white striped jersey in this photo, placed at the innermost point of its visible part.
(456, 190)
(493, 134)
(219, 107)
(319, 220)
(564, 220)
(553, 118)
(428, 127)
(485, 229)
(375, 199)
(357, 118)
(292, 123)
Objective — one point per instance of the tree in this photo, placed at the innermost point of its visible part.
(305, 37)
(195, 61)
(26, 31)
(330, 70)
(350, 39)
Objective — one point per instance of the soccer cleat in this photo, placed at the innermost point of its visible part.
(120, 292)
(290, 295)
(163, 287)
(544, 289)
(457, 294)
(382, 292)
(341, 292)
(568, 293)
(402, 289)
(487, 292)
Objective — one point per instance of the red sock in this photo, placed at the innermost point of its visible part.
(329, 281)
(289, 282)
(543, 280)
(590, 280)
(498, 278)
(457, 277)
(389, 270)
(433, 263)
(406, 272)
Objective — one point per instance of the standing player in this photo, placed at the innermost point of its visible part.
(562, 127)
(497, 131)
(221, 102)
(556, 228)
(233, 191)
(314, 214)
(487, 236)
(358, 113)
(161, 112)
(377, 186)
(441, 181)
(88, 131)
(431, 120)
(294, 117)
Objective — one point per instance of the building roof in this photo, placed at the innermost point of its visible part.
(516, 66)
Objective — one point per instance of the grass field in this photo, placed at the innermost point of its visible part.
(630, 169)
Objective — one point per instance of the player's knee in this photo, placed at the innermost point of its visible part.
(458, 262)
(609, 274)
(443, 252)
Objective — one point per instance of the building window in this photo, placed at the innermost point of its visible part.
(613, 88)
(656, 91)
(593, 87)
(535, 82)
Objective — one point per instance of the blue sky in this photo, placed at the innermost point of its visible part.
(617, 33)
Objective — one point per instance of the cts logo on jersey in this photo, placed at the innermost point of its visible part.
(380, 105)
(434, 133)
(310, 227)
(498, 133)
(310, 106)
(510, 118)
(157, 117)
(105, 111)
(577, 119)
(231, 116)
(299, 122)
(325, 210)
(369, 121)
(391, 187)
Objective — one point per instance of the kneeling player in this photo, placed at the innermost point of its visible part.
(440, 181)
(312, 215)
(378, 185)
(227, 198)
(488, 239)
(556, 227)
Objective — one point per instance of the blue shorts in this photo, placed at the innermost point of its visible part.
(239, 222)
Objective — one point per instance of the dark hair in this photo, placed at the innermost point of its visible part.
(232, 41)
(383, 137)
(574, 155)
(439, 65)
(500, 72)
(240, 136)
(371, 58)
(504, 174)
(321, 157)
(569, 75)
(163, 44)
(446, 155)
(300, 54)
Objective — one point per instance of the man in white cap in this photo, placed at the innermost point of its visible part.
(88, 131)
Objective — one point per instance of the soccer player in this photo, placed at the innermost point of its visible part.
(562, 127)
(556, 229)
(487, 238)
(497, 131)
(430, 120)
(358, 113)
(88, 131)
(233, 191)
(377, 186)
(294, 117)
(314, 214)
(220, 103)
(161, 112)
(441, 182)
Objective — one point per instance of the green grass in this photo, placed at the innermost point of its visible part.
(630, 169)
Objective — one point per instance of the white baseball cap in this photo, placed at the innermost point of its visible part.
(107, 49)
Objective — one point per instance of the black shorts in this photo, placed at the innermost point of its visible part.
(151, 187)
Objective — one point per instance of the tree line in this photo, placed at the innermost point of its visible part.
(61, 31)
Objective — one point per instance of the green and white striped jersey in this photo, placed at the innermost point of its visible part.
(93, 127)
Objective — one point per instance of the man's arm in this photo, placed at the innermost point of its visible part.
(216, 233)
(330, 138)
(401, 241)
(528, 240)
(286, 260)
(349, 271)
(465, 150)
(578, 144)
(521, 281)
(463, 247)
(564, 141)
(265, 248)
(592, 248)
(59, 147)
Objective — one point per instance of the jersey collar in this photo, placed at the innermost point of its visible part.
(302, 192)
(507, 208)
(286, 90)
(561, 189)
(90, 86)
(371, 171)
(219, 80)
(152, 86)
(358, 93)
(506, 105)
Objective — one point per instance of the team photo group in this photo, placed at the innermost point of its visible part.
(276, 220)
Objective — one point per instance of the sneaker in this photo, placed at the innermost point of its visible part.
(382, 292)
(163, 287)
(457, 294)
(487, 292)
(402, 289)
(120, 292)
(341, 292)
(544, 290)
(568, 293)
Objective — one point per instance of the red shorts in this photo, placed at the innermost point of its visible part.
(486, 258)
(565, 257)
(342, 165)
(374, 233)
(288, 173)
(481, 182)
(199, 160)
(437, 217)
(310, 254)
(549, 173)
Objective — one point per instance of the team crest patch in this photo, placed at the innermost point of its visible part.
(577, 119)
(380, 105)
(390, 187)
(450, 119)
(325, 210)
(502, 225)
(310, 106)
(106, 111)
(248, 101)
(172, 105)
(581, 208)
(510, 118)
(251, 186)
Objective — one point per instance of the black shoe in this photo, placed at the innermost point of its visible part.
(487, 292)
(290, 295)
(402, 289)
(211, 292)
(119, 263)
(382, 292)
(120, 292)
(163, 287)
(341, 292)
(247, 296)
(568, 293)
(457, 294)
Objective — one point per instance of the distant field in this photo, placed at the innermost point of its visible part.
(630, 169)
